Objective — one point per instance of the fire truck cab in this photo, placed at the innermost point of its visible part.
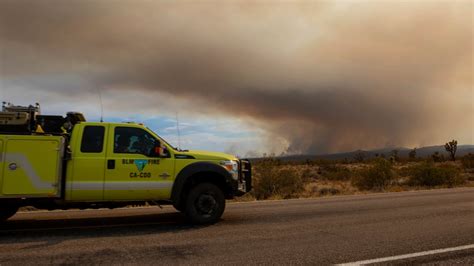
(62, 162)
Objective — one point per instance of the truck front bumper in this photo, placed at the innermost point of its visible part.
(244, 182)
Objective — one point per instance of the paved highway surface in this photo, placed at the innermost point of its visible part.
(308, 231)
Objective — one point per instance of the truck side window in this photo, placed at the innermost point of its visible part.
(93, 139)
(134, 141)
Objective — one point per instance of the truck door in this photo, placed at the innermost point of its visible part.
(133, 171)
(32, 166)
(86, 180)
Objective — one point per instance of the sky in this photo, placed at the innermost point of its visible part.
(250, 77)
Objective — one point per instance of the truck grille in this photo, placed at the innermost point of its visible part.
(245, 175)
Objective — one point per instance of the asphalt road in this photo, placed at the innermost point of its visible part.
(309, 231)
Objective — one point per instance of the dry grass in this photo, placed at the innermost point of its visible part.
(275, 179)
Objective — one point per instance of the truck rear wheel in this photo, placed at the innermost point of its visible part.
(7, 212)
(205, 204)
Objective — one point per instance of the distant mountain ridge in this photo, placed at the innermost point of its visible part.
(421, 152)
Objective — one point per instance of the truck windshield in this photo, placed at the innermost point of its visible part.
(162, 139)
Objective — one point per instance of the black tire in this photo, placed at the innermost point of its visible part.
(205, 204)
(7, 212)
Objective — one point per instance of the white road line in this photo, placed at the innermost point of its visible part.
(412, 255)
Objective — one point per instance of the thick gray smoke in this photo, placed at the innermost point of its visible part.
(324, 76)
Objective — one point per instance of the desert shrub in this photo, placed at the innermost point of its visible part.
(377, 176)
(467, 161)
(430, 175)
(394, 156)
(335, 173)
(403, 171)
(437, 157)
(412, 155)
(469, 176)
(359, 157)
(309, 174)
(272, 180)
(323, 163)
(340, 175)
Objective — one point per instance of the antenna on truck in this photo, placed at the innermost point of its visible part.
(177, 130)
(99, 93)
(101, 105)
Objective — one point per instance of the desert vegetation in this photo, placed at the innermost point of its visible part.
(276, 178)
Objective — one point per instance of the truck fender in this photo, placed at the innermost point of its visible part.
(192, 170)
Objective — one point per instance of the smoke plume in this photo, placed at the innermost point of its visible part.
(323, 76)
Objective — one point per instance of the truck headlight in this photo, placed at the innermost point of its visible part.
(232, 167)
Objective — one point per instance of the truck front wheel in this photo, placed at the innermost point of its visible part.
(7, 212)
(205, 204)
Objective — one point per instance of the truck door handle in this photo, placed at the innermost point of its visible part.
(110, 164)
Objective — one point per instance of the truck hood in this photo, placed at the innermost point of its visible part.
(208, 155)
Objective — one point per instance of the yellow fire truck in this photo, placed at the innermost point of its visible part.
(62, 162)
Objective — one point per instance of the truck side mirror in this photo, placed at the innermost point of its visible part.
(161, 151)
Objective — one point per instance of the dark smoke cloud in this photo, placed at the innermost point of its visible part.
(324, 76)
